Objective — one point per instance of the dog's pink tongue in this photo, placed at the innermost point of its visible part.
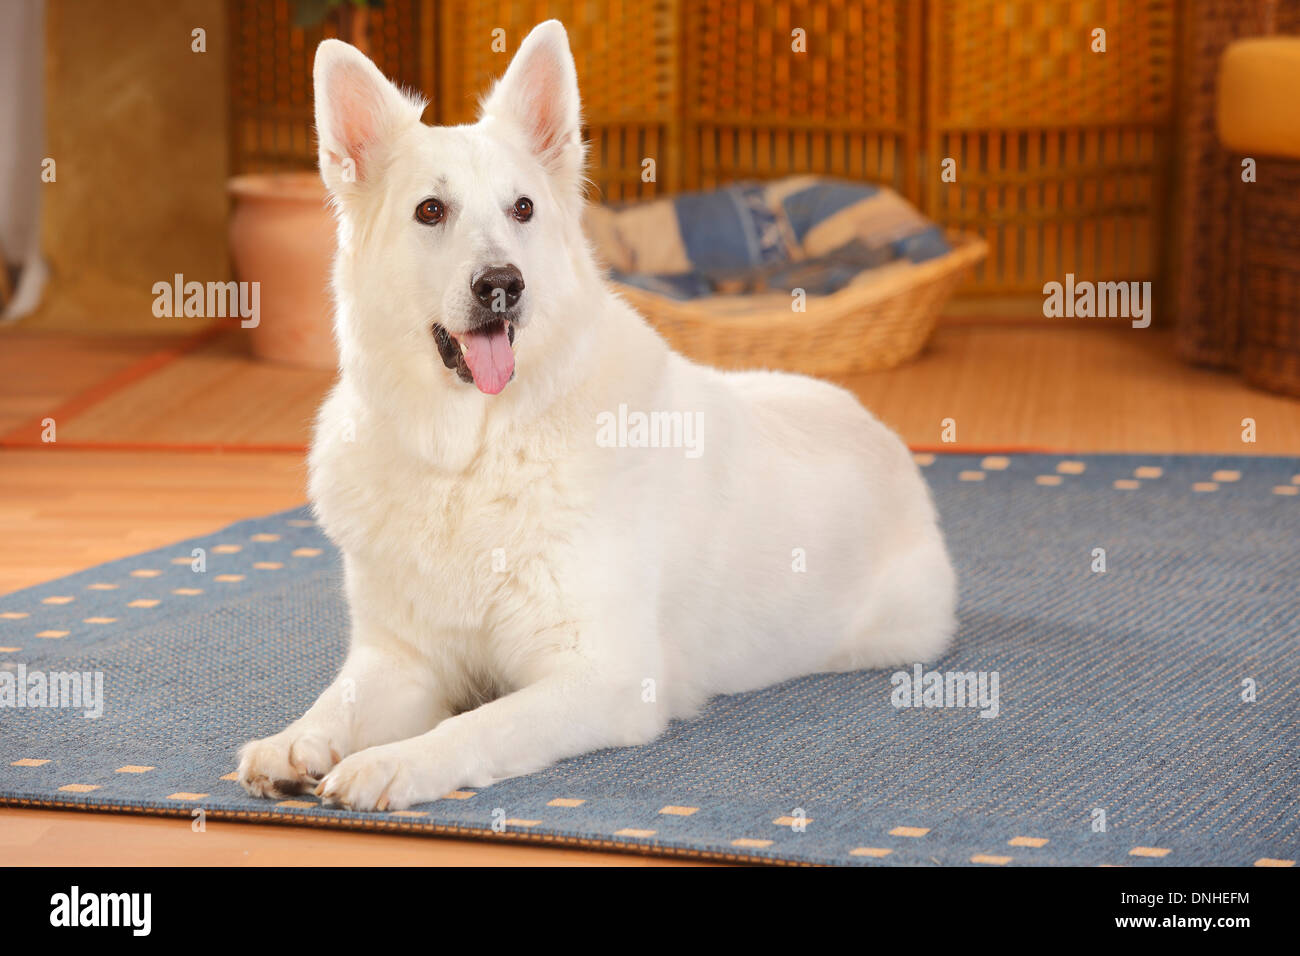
(490, 358)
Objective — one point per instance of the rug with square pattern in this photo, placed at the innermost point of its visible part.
(1141, 615)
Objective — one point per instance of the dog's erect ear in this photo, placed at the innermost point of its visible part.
(357, 111)
(539, 96)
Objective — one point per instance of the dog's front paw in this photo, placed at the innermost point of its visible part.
(286, 764)
(374, 779)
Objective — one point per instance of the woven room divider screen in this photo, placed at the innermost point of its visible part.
(1063, 155)
(711, 90)
(269, 78)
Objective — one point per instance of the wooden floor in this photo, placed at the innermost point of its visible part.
(150, 451)
(67, 838)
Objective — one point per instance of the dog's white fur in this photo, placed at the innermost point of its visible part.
(519, 593)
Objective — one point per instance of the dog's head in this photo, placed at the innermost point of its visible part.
(457, 243)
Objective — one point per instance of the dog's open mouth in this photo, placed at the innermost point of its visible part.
(484, 356)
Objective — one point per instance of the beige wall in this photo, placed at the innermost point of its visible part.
(136, 123)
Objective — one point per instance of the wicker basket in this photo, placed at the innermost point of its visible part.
(860, 328)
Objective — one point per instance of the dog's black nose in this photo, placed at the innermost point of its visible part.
(498, 287)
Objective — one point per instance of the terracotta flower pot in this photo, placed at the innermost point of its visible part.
(282, 236)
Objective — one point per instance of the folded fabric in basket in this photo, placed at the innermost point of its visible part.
(802, 232)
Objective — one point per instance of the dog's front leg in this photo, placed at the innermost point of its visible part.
(564, 714)
(380, 695)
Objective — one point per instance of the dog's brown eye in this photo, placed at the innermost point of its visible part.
(523, 209)
(431, 212)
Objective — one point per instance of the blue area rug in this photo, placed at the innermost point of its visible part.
(1146, 714)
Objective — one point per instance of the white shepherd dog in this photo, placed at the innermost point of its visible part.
(520, 591)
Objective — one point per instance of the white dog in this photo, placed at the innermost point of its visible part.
(521, 591)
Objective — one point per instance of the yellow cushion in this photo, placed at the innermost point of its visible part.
(1259, 96)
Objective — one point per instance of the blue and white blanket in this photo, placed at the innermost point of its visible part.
(804, 232)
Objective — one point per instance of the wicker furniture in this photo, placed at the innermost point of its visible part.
(1270, 262)
(857, 329)
(1257, 120)
(1206, 270)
